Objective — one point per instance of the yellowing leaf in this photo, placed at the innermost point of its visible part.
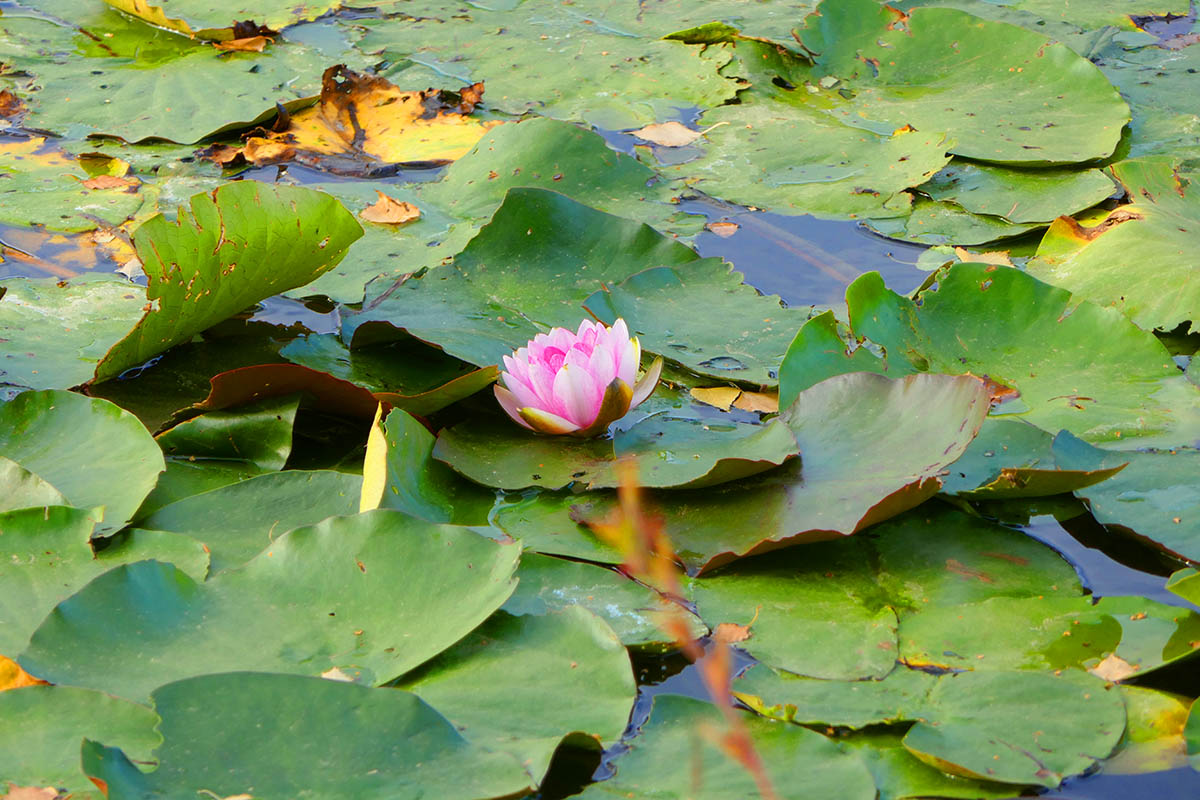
(390, 211)
(13, 677)
(670, 134)
(374, 465)
(723, 229)
(720, 396)
(112, 182)
(29, 793)
(1113, 668)
(368, 120)
(251, 44)
(726, 397)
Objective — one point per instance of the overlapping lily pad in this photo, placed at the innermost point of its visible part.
(311, 602)
(259, 434)
(1076, 366)
(44, 431)
(39, 745)
(206, 19)
(1160, 225)
(1018, 195)
(584, 684)
(235, 732)
(224, 256)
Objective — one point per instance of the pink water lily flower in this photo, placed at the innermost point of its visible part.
(575, 383)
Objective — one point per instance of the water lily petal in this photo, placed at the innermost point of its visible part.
(510, 405)
(545, 422)
(616, 404)
(645, 387)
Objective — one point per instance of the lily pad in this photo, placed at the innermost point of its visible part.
(943, 223)
(1076, 366)
(307, 604)
(45, 432)
(57, 331)
(547, 523)
(47, 557)
(1024, 728)
(1186, 584)
(533, 265)
(1156, 497)
(1161, 225)
(237, 520)
(23, 489)
(237, 230)
(1011, 458)
(259, 434)
(1018, 195)
(1045, 104)
(898, 697)
(843, 485)
(227, 734)
(673, 450)
(659, 305)
(547, 584)
(673, 759)
(206, 19)
(902, 776)
(584, 684)
(39, 744)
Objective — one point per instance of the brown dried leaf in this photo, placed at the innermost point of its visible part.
(998, 257)
(762, 402)
(251, 44)
(390, 211)
(1113, 669)
(13, 677)
(722, 397)
(731, 633)
(671, 134)
(10, 105)
(127, 185)
(723, 229)
(30, 793)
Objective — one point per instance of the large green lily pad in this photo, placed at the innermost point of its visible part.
(532, 266)
(362, 594)
(1156, 497)
(937, 69)
(291, 736)
(673, 759)
(91, 451)
(57, 331)
(659, 305)
(237, 520)
(46, 557)
(1161, 224)
(24, 489)
(584, 684)
(1018, 195)
(269, 238)
(1022, 728)
(1077, 366)
(39, 743)
(844, 483)
(259, 434)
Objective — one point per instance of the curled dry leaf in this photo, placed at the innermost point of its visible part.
(727, 397)
(723, 229)
(127, 185)
(13, 677)
(363, 121)
(1113, 668)
(998, 257)
(390, 211)
(671, 134)
(251, 44)
(10, 105)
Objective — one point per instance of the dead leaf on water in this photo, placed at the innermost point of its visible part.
(998, 257)
(127, 185)
(723, 229)
(335, 674)
(1113, 669)
(727, 397)
(11, 106)
(251, 44)
(390, 211)
(720, 396)
(363, 122)
(731, 633)
(13, 677)
(671, 134)
(30, 793)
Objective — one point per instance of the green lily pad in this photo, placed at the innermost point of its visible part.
(1018, 195)
(546, 584)
(1186, 583)
(672, 450)
(902, 776)
(57, 331)
(90, 450)
(584, 684)
(844, 484)
(44, 187)
(673, 759)
(1191, 734)
(419, 485)
(1157, 496)
(233, 733)
(39, 744)
(659, 305)
(259, 434)
(547, 523)
(237, 520)
(23, 489)
(898, 697)
(1024, 728)
(237, 230)
(1089, 371)
(943, 223)
(533, 265)
(553, 61)
(1044, 104)
(1161, 225)
(185, 477)
(1011, 458)
(46, 557)
(1153, 740)
(784, 153)
(309, 603)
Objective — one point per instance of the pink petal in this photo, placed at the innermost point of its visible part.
(545, 422)
(577, 391)
(510, 405)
